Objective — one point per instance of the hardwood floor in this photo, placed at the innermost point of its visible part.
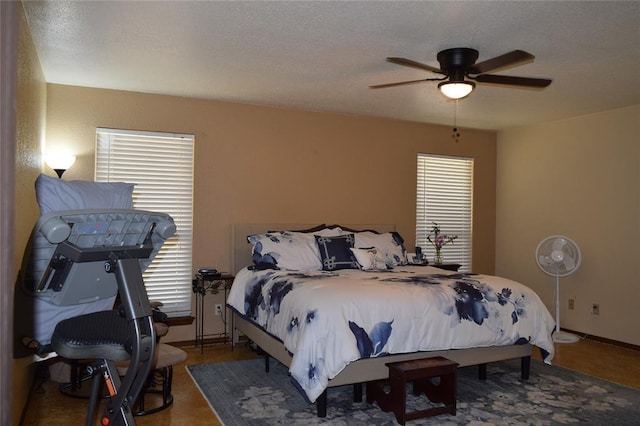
(49, 407)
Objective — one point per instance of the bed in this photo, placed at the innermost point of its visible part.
(337, 320)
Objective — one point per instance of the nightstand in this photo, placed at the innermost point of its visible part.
(211, 284)
(448, 266)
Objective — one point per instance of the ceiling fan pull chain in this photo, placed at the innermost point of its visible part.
(456, 134)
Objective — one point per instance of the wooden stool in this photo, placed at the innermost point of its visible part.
(418, 371)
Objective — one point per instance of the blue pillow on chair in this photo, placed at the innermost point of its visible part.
(55, 194)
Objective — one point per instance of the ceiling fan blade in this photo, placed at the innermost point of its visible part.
(524, 82)
(401, 83)
(413, 64)
(508, 60)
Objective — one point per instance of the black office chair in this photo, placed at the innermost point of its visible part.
(92, 255)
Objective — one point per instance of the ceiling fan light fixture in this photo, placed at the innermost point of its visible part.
(456, 89)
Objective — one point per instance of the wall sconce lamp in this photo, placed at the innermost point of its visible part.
(60, 163)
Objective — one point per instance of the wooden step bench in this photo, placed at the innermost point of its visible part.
(419, 372)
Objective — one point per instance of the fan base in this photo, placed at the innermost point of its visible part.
(564, 337)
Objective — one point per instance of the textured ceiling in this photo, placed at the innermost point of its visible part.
(323, 55)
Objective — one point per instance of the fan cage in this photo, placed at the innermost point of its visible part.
(557, 268)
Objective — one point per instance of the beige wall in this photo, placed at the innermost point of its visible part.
(265, 164)
(578, 177)
(31, 105)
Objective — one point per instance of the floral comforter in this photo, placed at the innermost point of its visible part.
(328, 319)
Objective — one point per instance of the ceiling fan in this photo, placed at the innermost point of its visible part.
(460, 71)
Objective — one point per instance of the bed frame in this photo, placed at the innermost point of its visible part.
(363, 370)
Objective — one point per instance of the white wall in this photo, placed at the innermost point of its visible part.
(579, 177)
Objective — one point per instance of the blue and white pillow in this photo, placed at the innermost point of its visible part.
(293, 251)
(389, 246)
(335, 252)
(369, 259)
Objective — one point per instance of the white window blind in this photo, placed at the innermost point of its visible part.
(445, 196)
(161, 167)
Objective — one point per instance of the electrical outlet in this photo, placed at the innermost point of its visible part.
(218, 309)
(595, 309)
(572, 304)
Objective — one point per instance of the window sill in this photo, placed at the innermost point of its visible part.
(171, 321)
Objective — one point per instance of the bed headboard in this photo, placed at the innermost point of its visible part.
(241, 249)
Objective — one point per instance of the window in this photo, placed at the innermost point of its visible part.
(161, 166)
(444, 196)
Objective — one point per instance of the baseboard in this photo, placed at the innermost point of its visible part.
(604, 340)
(171, 321)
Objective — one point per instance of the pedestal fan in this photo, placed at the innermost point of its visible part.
(559, 256)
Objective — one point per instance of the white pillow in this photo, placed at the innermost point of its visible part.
(369, 259)
(55, 194)
(328, 232)
(389, 246)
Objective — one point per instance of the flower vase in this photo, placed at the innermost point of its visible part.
(437, 258)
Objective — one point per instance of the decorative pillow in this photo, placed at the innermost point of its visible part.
(335, 252)
(389, 245)
(55, 194)
(294, 251)
(369, 259)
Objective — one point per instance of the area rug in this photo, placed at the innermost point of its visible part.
(242, 393)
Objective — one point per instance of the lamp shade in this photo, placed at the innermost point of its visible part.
(59, 162)
(456, 89)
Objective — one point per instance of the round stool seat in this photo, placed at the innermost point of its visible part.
(161, 329)
(166, 355)
(159, 381)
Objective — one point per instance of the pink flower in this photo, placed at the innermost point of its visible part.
(439, 240)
